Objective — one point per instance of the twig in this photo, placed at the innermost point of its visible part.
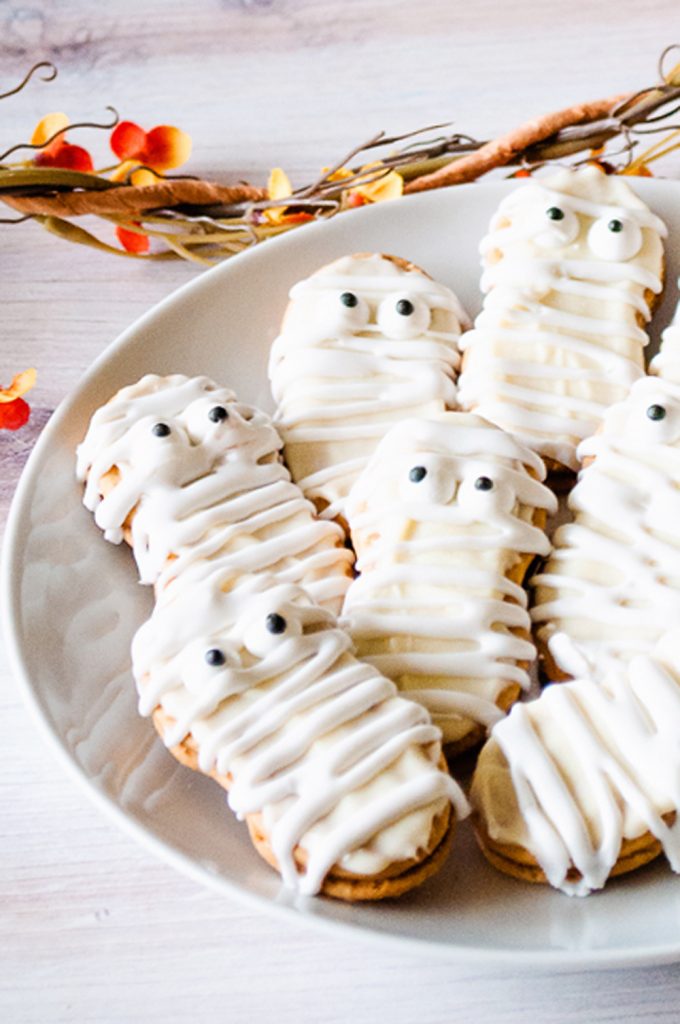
(509, 147)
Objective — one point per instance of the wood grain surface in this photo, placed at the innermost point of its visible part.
(92, 928)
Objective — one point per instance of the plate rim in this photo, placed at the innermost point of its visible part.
(10, 575)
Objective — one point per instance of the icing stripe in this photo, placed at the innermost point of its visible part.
(552, 311)
(433, 607)
(343, 374)
(315, 741)
(590, 764)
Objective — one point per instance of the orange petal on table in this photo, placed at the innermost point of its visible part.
(132, 241)
(22, 383)
(166, 147)
(14, 414)
(127, 140)
(279, 186)
(46, 128)
(63, 154)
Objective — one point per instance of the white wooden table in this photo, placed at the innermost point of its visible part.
(92, 928)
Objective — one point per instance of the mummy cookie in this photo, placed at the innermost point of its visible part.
(194, 479)
(340, 780)
(366, 341)
(446, 520)
(612, 584)
(573, 265)
(584, 783)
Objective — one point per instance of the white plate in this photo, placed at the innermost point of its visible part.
(72, 604)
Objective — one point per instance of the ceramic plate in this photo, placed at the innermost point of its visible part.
(72, 604)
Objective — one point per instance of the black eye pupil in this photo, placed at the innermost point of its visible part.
(554, 213)
(483, 483)
(349, 299)
(404, 307)
(275, 623)
(160, 429)
(656, 412)
(615, 226)
(417, 474)
(215, 657)
(218, 413)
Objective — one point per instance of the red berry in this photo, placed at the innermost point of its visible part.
(14, 414)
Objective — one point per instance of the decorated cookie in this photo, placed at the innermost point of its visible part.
(584, 783)
(573, 265)
(366, 341)
(248, 678)
(194, 479)
(341, 781)
(446, 519)
(612, 584)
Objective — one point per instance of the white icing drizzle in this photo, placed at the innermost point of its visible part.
(666, 363)
(612, 584)
(315, 741)
(586, 766)
(559, 339)
(343, 374)
(207, 495)
(433, 607)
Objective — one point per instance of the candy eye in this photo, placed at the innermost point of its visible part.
(401, 317)
(339, 313)
(265, 633)
(215, 657)
(430, 482)
(656, 412)
(218, 413)
(275, 624)
(160, 430)
(481, 496)
(553, 227)
(615, 238)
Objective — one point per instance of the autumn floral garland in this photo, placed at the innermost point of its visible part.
(158, 215)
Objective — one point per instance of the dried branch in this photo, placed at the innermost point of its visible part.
(204, 221)
(49, 77)
(132, 201)
(508, 148)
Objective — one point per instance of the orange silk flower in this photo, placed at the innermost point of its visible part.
(161, 148)
(59, 152)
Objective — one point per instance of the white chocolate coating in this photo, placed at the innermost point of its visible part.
(559, 339)
(208, 495)
(666, 363)
(587, 765)
(612, 584)
(315, 741)
(342, 375)
(435, 607)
